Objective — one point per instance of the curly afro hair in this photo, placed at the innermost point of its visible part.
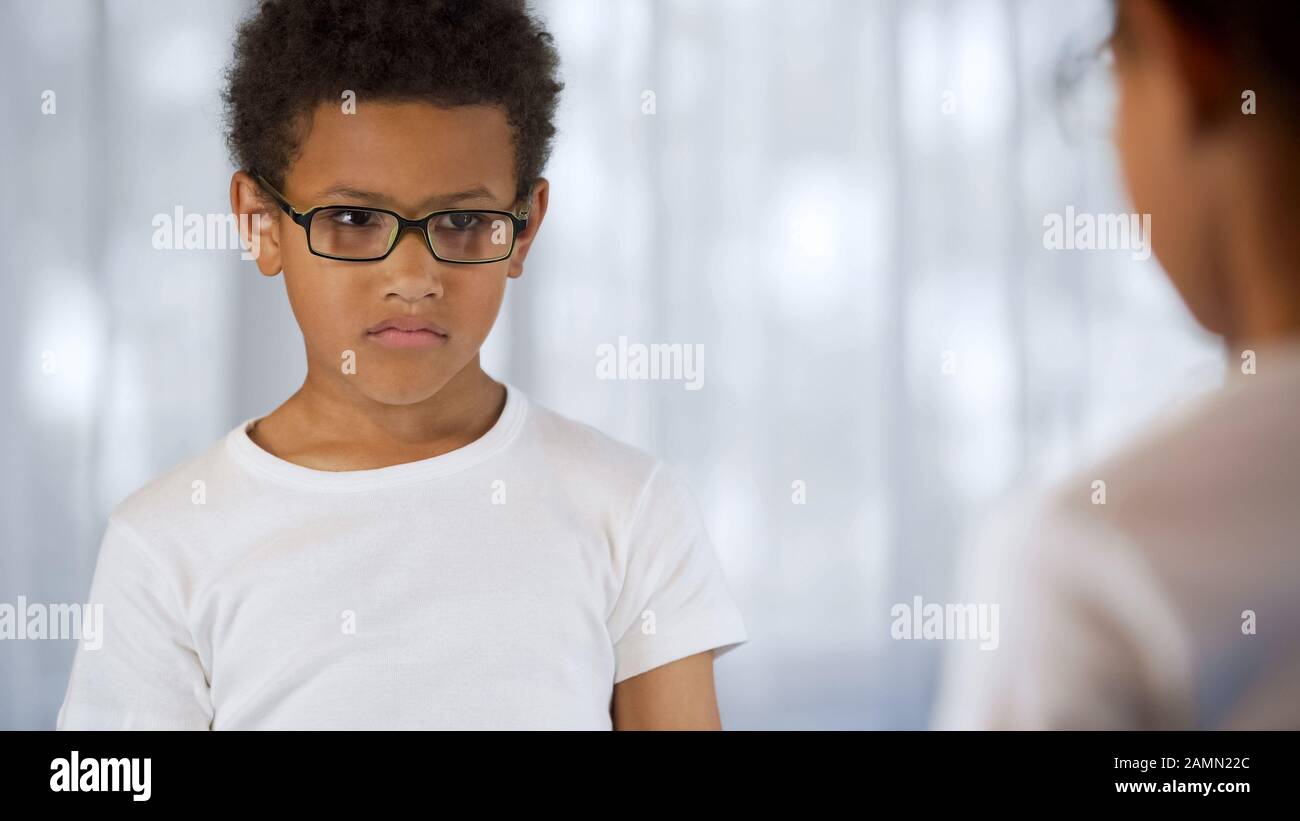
(292, 55)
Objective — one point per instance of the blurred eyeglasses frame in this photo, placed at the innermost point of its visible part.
(304, 218)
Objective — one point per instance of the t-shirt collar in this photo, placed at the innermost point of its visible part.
(251, 456)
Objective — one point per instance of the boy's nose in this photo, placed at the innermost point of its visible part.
(412, 272)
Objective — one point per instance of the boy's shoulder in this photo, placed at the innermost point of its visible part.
(592, 467)
(582, 446)
(185, 486)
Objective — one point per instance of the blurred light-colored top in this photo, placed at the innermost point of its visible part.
(1172, 603)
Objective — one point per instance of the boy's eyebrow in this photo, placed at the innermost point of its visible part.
(448, 200)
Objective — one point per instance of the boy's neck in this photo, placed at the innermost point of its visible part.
(326, 426)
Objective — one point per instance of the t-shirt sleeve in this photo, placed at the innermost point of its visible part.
(675, 601)
(139, 670)
(1086, 640)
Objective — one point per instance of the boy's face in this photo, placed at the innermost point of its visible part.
(412, 158)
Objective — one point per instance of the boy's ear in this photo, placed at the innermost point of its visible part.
(536, 211)
(259, 224)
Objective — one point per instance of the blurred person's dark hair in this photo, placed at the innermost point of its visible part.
(1257, 40)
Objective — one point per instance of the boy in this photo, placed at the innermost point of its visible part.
(405, 542)
(1169, 600)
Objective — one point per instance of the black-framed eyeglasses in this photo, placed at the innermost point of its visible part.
(356, 233)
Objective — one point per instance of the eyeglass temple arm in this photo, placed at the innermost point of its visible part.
(279, 198)
(522, 215)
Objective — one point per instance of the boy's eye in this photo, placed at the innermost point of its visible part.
(458, 222)
(356, 219)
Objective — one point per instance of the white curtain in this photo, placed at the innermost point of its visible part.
(842, 201)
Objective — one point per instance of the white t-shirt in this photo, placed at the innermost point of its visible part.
(1175, 604)
(507, 584)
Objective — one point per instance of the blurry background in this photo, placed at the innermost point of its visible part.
(834, 197)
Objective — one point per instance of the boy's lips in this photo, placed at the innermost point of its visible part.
(407, 332)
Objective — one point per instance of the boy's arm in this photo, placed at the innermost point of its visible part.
(139, 669)
(676, 696)
(674, 614)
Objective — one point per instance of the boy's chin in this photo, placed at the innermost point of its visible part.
(402, 390)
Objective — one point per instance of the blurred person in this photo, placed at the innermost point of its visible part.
(1169, 596)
